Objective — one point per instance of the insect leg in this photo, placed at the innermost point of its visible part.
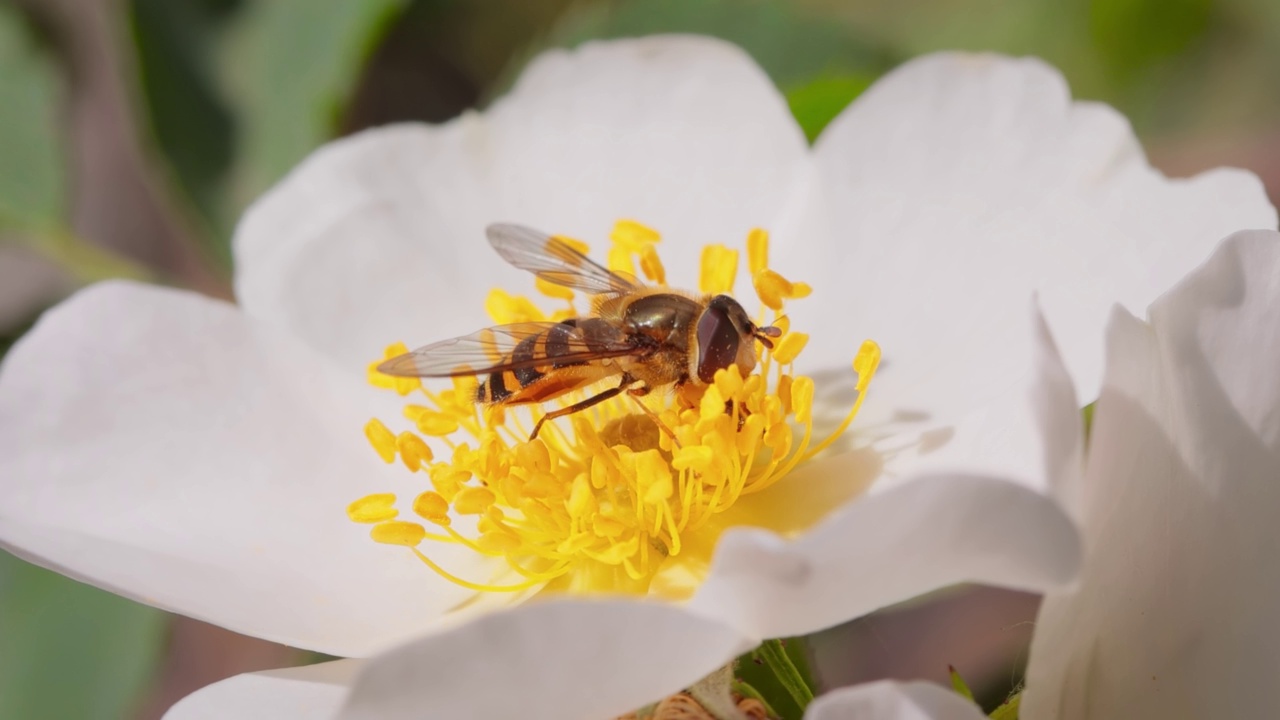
(583, 405)
(657, 420)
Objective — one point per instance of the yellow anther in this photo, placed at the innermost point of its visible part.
(651, 265)
(784, 392)
(729, 381)
(506, 308)
(719, 268)
(865, 363)
(633, 235)
(373, 508)
(695, 457)
(757, 250)
(432, 506)
(712, 405)
(377, 379)
(413, 451)
(448, 480)
(789, 347)
(533, 455)
(464, 387)
(772, 288)
(402, 385)
(473, 500)
(617, 552)
(382, 440)
(778, 438)
(580, 497)
(437, 424)
(802, 399)
(492, 521)
(574, 243)
(552, 290)
(620, 261)
(749, 438)
(653, 477)
(398, 532)
(606, 526)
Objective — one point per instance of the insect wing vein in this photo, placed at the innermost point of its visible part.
(491, 350)
(555, 261)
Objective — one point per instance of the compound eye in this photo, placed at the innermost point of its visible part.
(718, 341)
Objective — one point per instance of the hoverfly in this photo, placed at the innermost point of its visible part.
(647, 337)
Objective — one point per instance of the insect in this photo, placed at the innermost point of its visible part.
(647, 337)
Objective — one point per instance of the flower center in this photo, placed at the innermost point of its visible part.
(605, 499)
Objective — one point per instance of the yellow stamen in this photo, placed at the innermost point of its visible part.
(789, 347)
(719, 269)
(398, 532)
(633, 236)
(773, 289)
(473, 500)
(552, 290)
(432, 506)
(757, 251)
(506, 308)
(605, 499)
(865, 364)
(413, 451)
(651, 265)
(373, 508)
(382, 440)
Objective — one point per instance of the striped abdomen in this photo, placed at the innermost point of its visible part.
(551, 363)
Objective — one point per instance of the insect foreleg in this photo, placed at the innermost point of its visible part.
(627, 380)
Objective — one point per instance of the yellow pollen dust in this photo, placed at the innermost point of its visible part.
(605, 498)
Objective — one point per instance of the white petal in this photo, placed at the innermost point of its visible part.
(957, 186)
(380, 237)
(1174, 613)
(313, 692)
(886, 548)
(985, 501)
(1029, 433)
(1224, 323)
(160, 445)
(558, 659)
(890, 700)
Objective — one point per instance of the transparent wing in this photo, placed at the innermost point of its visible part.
(555, 261)
(510, 347)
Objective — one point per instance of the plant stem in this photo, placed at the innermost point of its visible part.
(776, 658)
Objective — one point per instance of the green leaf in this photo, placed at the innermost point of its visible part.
(958, 684)
(32, 166)
(187, 116)
(290, 66)
(791, 45)
(68, 650)
(1132, 35)
(817, 102)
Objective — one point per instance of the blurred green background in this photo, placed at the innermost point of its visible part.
(134, 132)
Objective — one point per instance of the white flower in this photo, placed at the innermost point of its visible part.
(1173, 616)
(199, 457)
(559, 660)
